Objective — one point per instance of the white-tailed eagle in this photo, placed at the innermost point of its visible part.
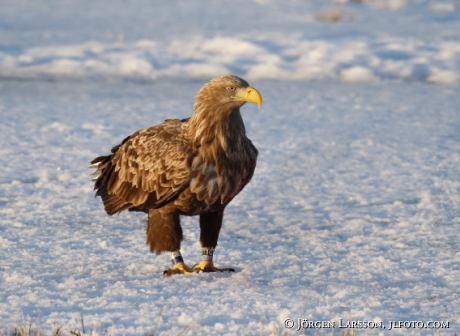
(188, 167)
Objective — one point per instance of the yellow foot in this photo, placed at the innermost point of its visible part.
(179, 268)
(206, 266)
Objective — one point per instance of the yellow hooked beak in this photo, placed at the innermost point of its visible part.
(250, 95)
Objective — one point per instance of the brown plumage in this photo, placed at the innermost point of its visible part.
(194, 166)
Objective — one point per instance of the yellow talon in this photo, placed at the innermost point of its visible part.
(179, 268)
(206, 266)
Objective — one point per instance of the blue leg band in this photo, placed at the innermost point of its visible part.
(176, 257)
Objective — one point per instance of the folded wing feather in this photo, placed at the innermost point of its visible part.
(146, 170)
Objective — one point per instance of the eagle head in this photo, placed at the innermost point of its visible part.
(228, 92)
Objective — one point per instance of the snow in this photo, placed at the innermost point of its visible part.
(284, 58)
(353, 210)
(257, 52)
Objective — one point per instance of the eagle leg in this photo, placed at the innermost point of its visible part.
(164, 232)
(208, 266)
(210, 225)
(178, 268)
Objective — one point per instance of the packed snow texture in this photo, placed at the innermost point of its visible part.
(353, 211)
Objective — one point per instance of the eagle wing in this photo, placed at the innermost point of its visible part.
(146, 171)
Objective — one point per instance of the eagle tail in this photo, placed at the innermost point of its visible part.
(112, 203)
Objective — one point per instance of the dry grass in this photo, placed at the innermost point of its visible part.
(283, 332)
(31, 330)
(23, 330)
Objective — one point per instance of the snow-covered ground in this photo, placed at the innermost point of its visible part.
(353, 212)
(284, 41)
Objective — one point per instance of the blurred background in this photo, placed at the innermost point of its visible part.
(350, 40)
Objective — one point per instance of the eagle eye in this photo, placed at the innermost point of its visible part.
(231, 88)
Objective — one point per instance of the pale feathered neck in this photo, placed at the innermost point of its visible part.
(217, 126)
